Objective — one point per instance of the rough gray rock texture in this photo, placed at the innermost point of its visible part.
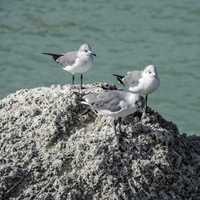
(51, 148)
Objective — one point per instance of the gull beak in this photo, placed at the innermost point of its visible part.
(91, 53)
(94, 54)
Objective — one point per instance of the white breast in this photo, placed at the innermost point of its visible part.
(149, 85)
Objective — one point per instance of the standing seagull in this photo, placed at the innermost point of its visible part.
(76, 62)
(115, 103)
(142, 82)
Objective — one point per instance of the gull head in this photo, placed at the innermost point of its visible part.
(150, 71)
(86, 50)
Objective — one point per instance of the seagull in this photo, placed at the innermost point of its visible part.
(76, 62)
(116, 104)
(142, 82)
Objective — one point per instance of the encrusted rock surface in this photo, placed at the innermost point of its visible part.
(52, 148)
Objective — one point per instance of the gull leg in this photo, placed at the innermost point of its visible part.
(115, 126)
(120, 137)
(146, 103)
(115, 130)
(81, 81)
(145, 108)
(73, 78)
(120, 123)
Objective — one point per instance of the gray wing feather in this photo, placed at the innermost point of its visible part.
(132, 78)
(68, 58)
(105, 101)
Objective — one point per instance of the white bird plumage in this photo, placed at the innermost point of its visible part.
(142, 82)
(76, 62)
(114, 103)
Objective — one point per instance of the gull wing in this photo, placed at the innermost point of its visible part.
(109, 100)
(132, 78)
(68, 58)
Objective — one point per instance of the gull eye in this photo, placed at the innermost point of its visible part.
(149, 72)
(86, 50)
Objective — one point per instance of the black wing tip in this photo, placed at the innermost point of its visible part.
(116, 75)
(46, 53)
(119, 78)
(54, 56)
(49, 54)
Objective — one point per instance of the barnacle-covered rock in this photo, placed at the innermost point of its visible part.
(53, 147)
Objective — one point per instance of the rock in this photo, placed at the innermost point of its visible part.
(53, 147)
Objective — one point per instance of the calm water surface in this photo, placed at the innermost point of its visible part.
(127, 35)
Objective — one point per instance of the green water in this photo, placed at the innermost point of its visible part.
(126, 35)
